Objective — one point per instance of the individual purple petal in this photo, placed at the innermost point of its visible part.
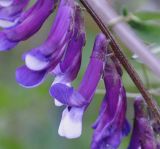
(93, 74)
(142, 134)
(90, 79)
(126, 128)
(101, 112)
(31, 10)
(59, 80)
(63, 92)
(28, 78)
(72, 61)
(29, 26)
(74, 50)
(111, 125)
(5, 43)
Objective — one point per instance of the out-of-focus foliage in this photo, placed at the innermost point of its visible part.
(148, 15)
(146, 24)
(28, 117)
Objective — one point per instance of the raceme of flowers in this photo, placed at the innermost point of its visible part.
(60, 55)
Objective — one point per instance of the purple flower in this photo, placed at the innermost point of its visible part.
(78, 100)
(10, 37)
(45, 58)
(10, 14)
(53, 48)
(67, 70)
(111, 125)
(142, 134)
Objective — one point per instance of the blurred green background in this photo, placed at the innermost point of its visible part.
(28, 117)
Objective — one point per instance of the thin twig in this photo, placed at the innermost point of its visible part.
(124, 61)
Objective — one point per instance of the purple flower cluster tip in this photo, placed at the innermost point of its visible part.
(143, 134)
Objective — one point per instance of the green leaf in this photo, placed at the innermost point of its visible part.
(149, 32)
(145, 23)
(148, 15)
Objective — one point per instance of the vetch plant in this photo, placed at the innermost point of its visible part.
(60, 56)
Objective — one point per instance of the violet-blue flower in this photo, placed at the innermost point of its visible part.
(44, 58)
(66, 71)
(53, 48)
(111, 125)
(78, 100)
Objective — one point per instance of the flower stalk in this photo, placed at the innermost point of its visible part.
(124, 61)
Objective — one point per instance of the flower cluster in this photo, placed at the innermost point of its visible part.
(60, 55)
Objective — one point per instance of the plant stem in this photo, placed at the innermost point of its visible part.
(124, 61)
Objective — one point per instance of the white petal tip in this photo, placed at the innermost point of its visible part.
(69, 136)
(5, 3)
(57, 103)
(35, 64)
(60, 79)
(71, 123)
(7, 24)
